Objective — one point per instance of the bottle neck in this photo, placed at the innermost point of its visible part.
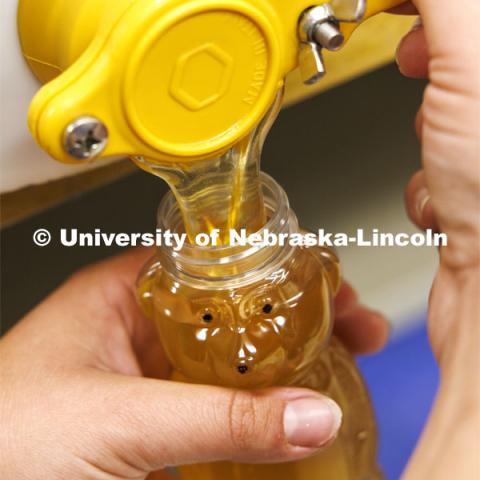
(222, 192)
(230, 266)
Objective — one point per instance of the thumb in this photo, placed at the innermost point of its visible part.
(167, 424)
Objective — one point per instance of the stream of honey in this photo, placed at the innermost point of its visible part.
(222, 193)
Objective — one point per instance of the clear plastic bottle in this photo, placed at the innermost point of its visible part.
(252, 317)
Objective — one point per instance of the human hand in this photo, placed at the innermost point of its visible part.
(445, 194)
(84, 390)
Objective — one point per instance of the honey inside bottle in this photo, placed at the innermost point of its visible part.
(255, 318)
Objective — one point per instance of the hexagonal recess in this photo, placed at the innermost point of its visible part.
(201, 76)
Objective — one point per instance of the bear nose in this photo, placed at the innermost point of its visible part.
(242, 369)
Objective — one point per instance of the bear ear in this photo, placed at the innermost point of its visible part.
(331, 264)
(145, 282)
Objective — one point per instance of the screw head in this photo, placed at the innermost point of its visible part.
(312, 17)
(328, 35)
(85, 138)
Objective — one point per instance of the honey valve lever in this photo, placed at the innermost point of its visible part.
(170, 80)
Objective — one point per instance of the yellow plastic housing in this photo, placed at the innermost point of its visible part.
(172, 80)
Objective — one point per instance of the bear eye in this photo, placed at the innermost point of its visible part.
(207, 317)
(267, 308)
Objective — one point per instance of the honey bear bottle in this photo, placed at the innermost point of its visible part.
(253, 317)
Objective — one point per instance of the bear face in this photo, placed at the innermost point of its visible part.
(266, 333)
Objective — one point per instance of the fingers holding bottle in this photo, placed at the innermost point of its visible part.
(444, 48)
(161, 423)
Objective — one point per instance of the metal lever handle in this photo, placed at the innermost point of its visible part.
(328, 26)
(312, 67)
(349, 10)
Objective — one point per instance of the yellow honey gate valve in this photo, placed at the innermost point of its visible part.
(170, 80)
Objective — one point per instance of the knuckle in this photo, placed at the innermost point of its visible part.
(98, 281)
(242, 418)
(82, 275)
(251, 422)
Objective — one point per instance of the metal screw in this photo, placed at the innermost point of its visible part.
(317, 29)
(312, 17)
(328, 35)
(85, 138)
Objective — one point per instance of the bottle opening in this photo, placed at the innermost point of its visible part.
(221, 266)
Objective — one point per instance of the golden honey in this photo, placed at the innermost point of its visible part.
(222, 193)
(257, 318)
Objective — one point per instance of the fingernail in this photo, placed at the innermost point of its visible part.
(399, 46)
(311, 422)
(421, 201)
(397, 60)
(417, 24)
